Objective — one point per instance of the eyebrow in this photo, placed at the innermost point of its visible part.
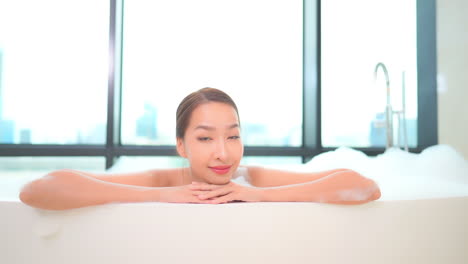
(211, 128)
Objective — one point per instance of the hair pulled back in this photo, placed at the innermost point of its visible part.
(193, 100)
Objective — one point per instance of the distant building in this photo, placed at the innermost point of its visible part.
(7, 131)
(146, 124)
(7, 127)
(378, 131)
(25, 136)
(1, 81)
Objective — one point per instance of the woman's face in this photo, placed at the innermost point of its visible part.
(212, 143)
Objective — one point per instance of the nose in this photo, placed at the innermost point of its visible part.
(220, 151)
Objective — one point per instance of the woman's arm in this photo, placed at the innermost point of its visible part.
(264, 177)
(149, 178)
(67, 189)
(339, 187)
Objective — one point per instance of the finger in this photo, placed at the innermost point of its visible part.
(229, 188)
(202, 195)
(222, 199)
(196, 185)
(197, 193)
(215, 193)
(195, 199)
(214, 200)
(205, 187)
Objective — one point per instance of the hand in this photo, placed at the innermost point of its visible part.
(216, 194)
(178, 194)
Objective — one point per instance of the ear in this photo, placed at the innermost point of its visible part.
(181, 148)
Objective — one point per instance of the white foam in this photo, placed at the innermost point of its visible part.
(438, 171)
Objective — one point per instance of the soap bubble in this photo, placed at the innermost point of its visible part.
(438, 171)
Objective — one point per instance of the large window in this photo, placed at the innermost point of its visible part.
(104, 78)
(356, 36)
(53, 71)
(250, 49)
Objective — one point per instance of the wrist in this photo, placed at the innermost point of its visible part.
(152, 195)
(264, 194)
(277, 194)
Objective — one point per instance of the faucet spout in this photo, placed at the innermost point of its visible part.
(388, 107)
(387, 78)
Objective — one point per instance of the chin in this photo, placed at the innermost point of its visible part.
(220, 180)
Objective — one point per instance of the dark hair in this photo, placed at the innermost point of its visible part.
(193, 100)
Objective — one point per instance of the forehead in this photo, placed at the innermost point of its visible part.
(213, 113)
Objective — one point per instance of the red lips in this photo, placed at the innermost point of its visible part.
(221, 169)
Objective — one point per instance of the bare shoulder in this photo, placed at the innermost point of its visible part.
(265, 177)
(148, 178)
(263, 171)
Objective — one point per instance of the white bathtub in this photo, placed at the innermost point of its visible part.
(432, 228)
(417, 231)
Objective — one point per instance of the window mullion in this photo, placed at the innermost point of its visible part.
(114, 81)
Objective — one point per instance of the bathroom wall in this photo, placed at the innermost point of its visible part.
(452, 49)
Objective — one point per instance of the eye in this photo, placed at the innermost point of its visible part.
(234, 137)
(204, 138)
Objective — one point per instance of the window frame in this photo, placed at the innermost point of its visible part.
(311, 131)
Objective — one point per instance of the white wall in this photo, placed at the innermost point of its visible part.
(452, 49)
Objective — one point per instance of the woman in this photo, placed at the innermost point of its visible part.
(208, 136)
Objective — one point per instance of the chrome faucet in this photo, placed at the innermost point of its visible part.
(389, 112)
(388, 107)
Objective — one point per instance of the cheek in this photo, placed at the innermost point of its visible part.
(237, 150)
(197, 153)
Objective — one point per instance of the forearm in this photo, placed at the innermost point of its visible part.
(71, 189)
(262, 177)
(346, 187)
